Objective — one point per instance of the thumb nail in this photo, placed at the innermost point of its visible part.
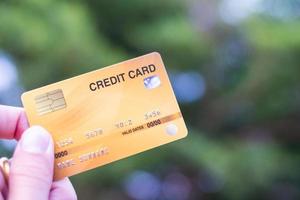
(35, 140)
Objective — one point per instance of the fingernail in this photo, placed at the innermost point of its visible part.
(35, 140)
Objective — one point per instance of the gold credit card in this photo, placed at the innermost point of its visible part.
(107, 114)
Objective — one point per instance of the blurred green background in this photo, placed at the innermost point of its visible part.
(235, 69)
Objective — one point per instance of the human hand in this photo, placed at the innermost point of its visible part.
(31, 167)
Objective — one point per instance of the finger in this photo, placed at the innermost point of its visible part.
(2, 181)
(13, 122)
(62, 190)
(3, 185)
(31, 172)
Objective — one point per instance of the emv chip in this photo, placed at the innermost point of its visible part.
(50, 102)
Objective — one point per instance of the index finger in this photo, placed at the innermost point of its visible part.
(62, 189)
(13, 122)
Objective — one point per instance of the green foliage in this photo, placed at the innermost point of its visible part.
(273, 35)
(175, 38)
(53, 40)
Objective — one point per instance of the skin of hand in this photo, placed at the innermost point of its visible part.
(31, 169)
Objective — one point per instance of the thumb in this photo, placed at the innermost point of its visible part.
(31, 171)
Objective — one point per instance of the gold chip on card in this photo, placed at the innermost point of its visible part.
(50, 102)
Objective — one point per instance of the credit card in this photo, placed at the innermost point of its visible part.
(107, 114)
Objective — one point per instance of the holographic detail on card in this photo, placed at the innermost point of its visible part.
(152, 82)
